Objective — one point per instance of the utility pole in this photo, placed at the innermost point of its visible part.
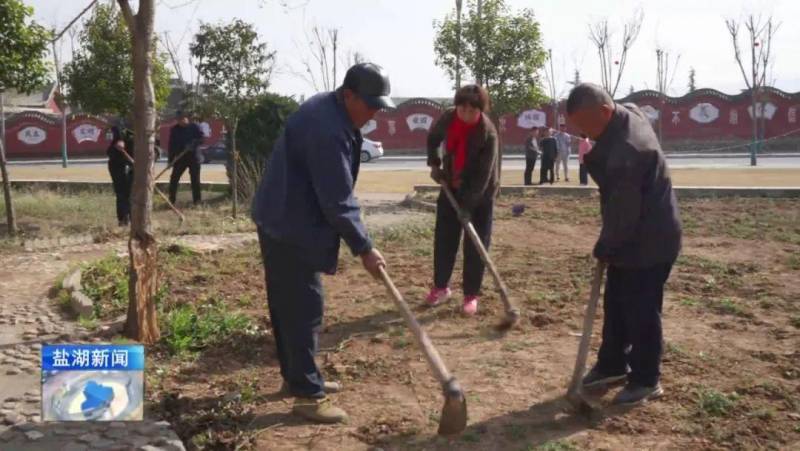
(335, 41)
(480, 59)
(10, 217)
(553, 92)
(61, 104)
(458, 47)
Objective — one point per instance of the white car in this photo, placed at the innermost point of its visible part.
(371, 150)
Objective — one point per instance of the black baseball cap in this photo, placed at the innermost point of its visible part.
(371, 83)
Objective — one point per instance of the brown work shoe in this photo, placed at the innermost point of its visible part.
(320, 410)
(329, 387)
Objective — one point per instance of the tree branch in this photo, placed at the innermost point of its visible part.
(733, 29)
(127, 13)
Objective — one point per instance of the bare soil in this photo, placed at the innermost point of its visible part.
(731, 368)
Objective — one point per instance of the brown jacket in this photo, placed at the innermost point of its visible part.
(480, 179)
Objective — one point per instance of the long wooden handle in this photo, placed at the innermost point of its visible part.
(166, 199)
(169, 165)
(476, 240)
(588, 322)
(431, 354)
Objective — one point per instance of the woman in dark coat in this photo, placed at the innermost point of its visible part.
(470, 167)
(121, 170)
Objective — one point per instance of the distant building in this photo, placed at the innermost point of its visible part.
(40, 100)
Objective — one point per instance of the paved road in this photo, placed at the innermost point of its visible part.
(517, 162)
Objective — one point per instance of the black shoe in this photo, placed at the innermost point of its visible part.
(595, 378)
(634, 394)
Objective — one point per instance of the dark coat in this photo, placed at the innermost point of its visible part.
(641, 223)
(305, 198)
(182, 137)
(115, 157)
(480, 179)
(549, 148)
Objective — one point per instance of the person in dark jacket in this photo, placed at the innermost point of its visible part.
(531, 155)
(640, 239)
(470, 167)
(302, 209)
(549, 148)
(184, 135)
(121, 169)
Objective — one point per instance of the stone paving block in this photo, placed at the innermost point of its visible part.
(81, 304)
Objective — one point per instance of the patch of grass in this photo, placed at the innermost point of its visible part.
(728, 306)
(471, 436)
(411, 232)
(793, 262)
(189, 329)
(514, 432)
(106, 283)
(795, 321)
(715, 403)
(556, 445)
(689, 302)
(87, 322)
(400, 343)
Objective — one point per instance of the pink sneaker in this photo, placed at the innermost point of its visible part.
(438, 295)
(470, 305)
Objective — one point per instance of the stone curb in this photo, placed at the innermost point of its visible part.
(81, 304)
(680, 191)
(412, 202)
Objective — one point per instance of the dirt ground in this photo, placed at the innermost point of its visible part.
(731, 367)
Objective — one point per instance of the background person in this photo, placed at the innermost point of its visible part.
(470, 168)
(549, 152)
(184, 135)
(564, 141)
(121, 169)
(531, 154)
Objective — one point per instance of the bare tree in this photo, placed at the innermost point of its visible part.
(666, 68)
(552, 90)
(760, 33)
(142, 324)
(612, 66)
(319, 66)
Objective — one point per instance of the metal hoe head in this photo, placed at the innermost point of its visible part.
(510, 321)
(454, 412)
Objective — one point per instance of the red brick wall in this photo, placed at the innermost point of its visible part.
(33, 135)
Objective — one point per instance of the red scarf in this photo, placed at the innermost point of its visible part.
(457, 135)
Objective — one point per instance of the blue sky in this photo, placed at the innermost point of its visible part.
(398, 34)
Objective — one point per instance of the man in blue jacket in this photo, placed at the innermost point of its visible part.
(303, 207)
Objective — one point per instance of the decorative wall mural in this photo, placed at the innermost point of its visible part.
(734, 117)
(792, 115)
(392, 127)
(369, 127)
(531, 118)
(676, 119)
(419, 121)
(86, 132)
(704, 113)
(32, 135)
(765, 110)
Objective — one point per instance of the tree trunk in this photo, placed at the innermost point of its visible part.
(142, 324)
(235, 169)
(11, 219)
(754, 118)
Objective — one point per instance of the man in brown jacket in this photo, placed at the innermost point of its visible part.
(640, 239)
